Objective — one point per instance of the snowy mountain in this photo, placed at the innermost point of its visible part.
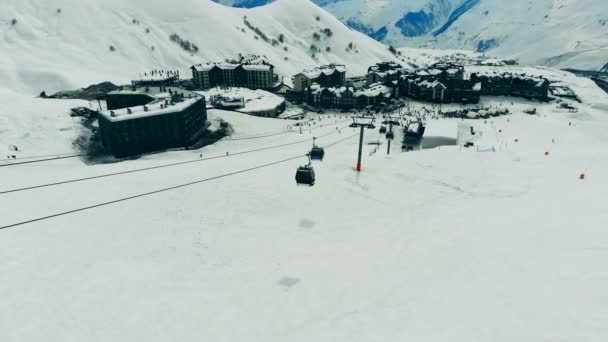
(71, 43)
(560, 33)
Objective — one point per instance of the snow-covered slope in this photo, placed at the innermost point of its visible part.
(562, 33)
(67, 43)
(444, 244)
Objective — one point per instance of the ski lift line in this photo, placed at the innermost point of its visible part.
(45, 160)
(145, 194)
(158, 166)
(44, 156)
(59, 156)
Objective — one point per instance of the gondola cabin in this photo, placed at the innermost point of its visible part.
(317, 153)
(305, 175)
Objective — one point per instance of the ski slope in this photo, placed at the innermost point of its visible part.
(51, 50)
(444, 243)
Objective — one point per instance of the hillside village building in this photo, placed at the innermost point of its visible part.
(332, 75)
(253, 76)
(175, 121)
(442, 83)
(348, 97)
(509, 84)
(383, 72)
(333, 97)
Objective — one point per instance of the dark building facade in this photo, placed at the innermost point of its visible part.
(384, 72)
(253, 76)
(441, 83)
(332, 75)
(508, 84)
(348, 97)
(434, 90)
(156, 126)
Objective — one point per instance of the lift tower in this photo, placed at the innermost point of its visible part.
(362, 123)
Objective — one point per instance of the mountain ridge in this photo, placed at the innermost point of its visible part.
(558, 33)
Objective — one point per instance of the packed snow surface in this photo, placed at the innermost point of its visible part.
(498, 242)
(501, 241)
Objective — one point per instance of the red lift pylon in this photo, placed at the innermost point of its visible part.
(362, 123)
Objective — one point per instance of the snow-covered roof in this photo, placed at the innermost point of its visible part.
(254, 100)
(203, 67)
(257, 67)
(227, 66)
(232, 66)
(375, 90)
(153, 92)
(155, 108)
(336, 91)
(325, 69)
(432, 84)
(497, 74)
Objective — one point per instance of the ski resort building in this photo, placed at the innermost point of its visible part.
(174, 122)
(332, 75)
(256, 102)
(253, 76)
(348, 97)
(384, 72)
(375, 94)
(441, 83)
(434, 90)
(509, 84)
(333, 97)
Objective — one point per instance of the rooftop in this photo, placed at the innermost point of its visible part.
(254, 100)
(155, 108)
(375, 90)
(232, 66)
(324, 69)
(337, 91)
(155, 92)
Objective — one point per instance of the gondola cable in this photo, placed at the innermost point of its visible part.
(155, 167)
(124, 199)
